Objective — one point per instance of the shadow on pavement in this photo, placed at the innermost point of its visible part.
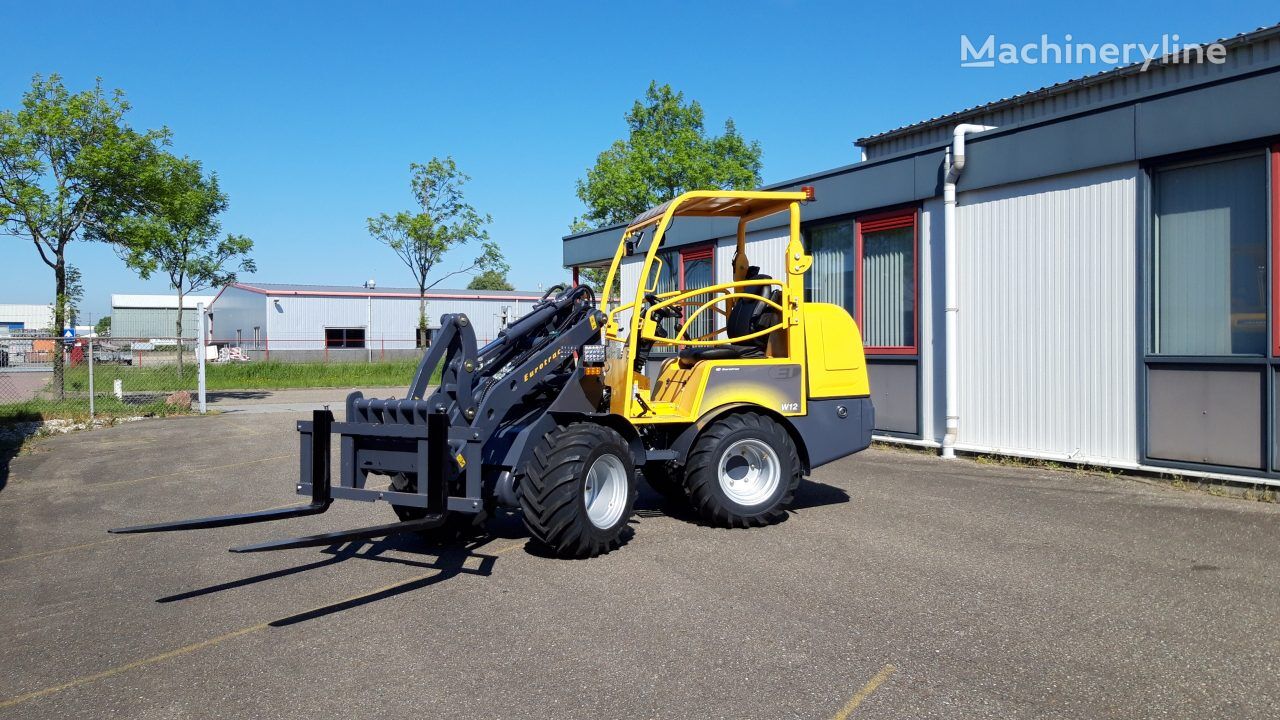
(450, 560)
(335, 558)
(11, 439)
(812, 494)
(218, 395)
(809, 495)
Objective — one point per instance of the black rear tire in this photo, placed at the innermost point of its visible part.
(552, 490)
(456, 525)
(772, 445)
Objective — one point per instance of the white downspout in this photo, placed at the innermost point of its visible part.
(951, 275)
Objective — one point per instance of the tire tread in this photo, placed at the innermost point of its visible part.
(549, 494)
(701, 472)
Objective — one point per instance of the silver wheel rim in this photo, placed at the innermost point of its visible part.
(749, 472)
(604, 493)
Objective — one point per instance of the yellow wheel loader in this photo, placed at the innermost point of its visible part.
(563, 413)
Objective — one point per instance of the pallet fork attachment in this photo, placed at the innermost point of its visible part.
(437, 426)
(320, 498)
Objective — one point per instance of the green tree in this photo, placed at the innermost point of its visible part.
(103, 326)
(70, 168)
(667, 152)
(490, 280)
(181, 237)
(74, 294)
(444, 221)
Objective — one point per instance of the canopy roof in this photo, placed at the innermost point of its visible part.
(721, 203)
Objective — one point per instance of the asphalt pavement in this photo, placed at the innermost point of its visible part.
(903, 586)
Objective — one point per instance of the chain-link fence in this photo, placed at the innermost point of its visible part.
(44, 377)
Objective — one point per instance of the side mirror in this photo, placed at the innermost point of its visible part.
(652, 286)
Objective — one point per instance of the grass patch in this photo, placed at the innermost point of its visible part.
(1023, 462)
(77, 408)
(265, 375)
(271, 375)
(146, 387)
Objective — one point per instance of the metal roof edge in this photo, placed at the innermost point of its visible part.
(593, 231)
(438, 295)
(1063, 87)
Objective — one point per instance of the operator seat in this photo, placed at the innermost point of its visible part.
(749, 314)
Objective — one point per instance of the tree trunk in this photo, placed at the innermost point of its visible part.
(179, 335)
(59, 323)
(422, 316)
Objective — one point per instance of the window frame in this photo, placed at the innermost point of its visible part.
(681, 255)
(1151, 287)
(700, 251)
(345, 342)
(1274, 220)
(875, 222)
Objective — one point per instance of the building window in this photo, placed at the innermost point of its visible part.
(869, 267)
(887, 274)
(1275, 247)
(831, 278)
(1209, 274)
(683, 270)
(669, 275)
(696, 273)
(344, 337)
(669, 281)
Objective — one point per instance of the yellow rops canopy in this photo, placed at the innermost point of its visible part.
(721, 203)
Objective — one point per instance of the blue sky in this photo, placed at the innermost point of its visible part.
(310, 113)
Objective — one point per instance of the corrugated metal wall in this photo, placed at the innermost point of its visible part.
(235, 309)
(1047, 344)
(766, 249)
(152, 322)
(299, 322)
(630, 277)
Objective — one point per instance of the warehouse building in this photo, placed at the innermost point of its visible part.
(154, 316)
(1114, 257)
(348, 322)
(16, 318)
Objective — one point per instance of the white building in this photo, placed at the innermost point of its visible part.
(15, 317)
(339, 321)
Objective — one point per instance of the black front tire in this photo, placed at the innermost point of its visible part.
(555, 480)
(702, 472)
